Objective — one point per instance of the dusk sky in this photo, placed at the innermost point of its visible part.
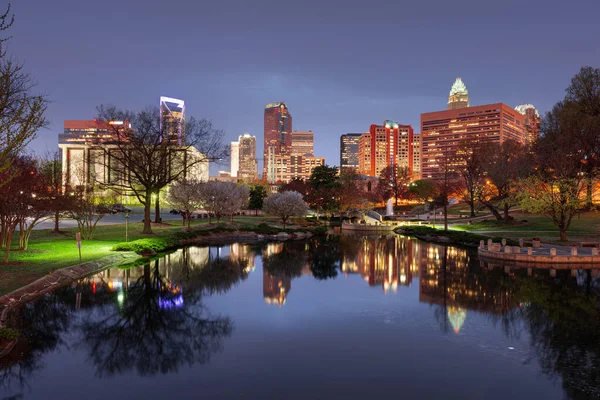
(339, 65)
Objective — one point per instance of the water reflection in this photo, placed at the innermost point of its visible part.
(153, 319)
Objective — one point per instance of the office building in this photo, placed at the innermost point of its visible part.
(532, 122)
(284, 168)
(303, 143)
(416, 147)
(277, 138)
(385, 145)
(235, 159)
(172, 120)
(444, 132)
(459, 95)
(349, 150)
(248, 168)
(87, 145)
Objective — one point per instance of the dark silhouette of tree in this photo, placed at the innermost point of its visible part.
(325, 257)
(156, 330)
(393, 182)
(471, 173)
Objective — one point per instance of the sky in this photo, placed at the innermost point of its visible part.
(340, 66)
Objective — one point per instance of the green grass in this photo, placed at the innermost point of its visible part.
(48, 251)
(583, 227)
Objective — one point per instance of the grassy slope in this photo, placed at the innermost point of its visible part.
(48, 251)
(586, 226)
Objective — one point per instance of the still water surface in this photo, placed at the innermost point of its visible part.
(350, 317)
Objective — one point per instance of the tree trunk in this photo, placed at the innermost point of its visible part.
(445, 215)
(472, 204)
(157, 218)
(189, 221)
(9, 238)
(563, 235)
(147, 224)
(56, 221)
(506, 216)
(493, 211)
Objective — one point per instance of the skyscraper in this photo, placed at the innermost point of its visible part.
(416, 145)
(247, 157)
(303, 143)
(172, 120)
(383, 146)
(277, 134)
(349, 150)
(459, 96)
(235, 158)
(532, 122)
(444, 132)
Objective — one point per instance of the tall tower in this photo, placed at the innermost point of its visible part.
(532, 122)
(247, 157)
(385, 145)
(459, 95)
(172, 120)
(349, 150)
(278, 129)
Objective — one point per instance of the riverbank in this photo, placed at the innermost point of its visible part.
(453, 237)
(49, 251)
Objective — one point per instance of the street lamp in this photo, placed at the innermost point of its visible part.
(126, 226)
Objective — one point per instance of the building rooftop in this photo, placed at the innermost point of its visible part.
(522, 108)
(458, 87)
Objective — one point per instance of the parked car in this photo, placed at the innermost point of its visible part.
(174, 212)
(104, 209)
(117, 208)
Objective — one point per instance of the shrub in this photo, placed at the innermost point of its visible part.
(320, 230)
(8, 333)
(155, 245)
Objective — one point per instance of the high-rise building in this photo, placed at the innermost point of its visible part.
(172, 120)
(235, 158)
(284, 168)
(532, 122)
(443, 133)
(459, 96)
(385, 145)
(277, 133)
(416, 146)
(303, 143)
(247, 157)
(349, 150)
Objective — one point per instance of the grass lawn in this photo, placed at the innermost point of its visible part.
(49, 251)
(583, 227)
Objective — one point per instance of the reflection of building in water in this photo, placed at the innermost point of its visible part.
(242, 252)
(276, 288)
(456, 287)
(382, 260)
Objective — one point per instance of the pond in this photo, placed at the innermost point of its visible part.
(342, 317)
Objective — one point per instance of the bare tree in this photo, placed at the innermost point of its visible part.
(87, 209)
(503, 165)
(21, 111)
(142, 159)
(285, 205)
(51, 169)
(393, 182)
(185, 197)
(471, 174)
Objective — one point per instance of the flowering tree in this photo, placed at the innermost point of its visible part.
(285, 205)
(185, 197)
(222, 198)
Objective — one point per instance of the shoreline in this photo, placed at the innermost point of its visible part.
(69, 274)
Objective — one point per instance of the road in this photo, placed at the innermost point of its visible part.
(136, 215)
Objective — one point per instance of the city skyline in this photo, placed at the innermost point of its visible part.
(332, 85)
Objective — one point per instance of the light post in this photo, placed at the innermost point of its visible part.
(126, 226)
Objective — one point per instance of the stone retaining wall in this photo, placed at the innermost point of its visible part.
(496, 253)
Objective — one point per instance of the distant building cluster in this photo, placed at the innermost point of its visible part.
(434, 150)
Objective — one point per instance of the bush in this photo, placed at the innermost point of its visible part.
(320, 230)
(8, 333)
(153, 245)
(458, 237)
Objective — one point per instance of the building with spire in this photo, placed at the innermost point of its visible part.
(532, 122)
(459, 95)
